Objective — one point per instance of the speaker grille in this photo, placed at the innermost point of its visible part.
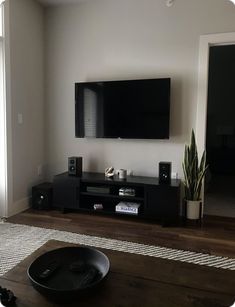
(75, 166)
(165, 172)
(42, 196)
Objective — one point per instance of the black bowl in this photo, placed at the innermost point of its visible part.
(65, 273)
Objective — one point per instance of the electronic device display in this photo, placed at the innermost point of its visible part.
(132, 109)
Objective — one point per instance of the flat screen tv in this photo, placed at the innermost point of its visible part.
(129, 109)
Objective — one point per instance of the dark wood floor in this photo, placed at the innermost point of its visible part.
(215, 236)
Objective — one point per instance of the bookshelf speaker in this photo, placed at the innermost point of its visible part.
(165, 172)
(75, 166)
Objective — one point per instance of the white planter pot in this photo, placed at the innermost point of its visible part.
(193, 209)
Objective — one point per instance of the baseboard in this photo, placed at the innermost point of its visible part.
(19, 206)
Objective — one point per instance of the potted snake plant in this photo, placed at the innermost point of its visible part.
(194, 173)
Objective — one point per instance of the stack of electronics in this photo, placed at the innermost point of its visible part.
(127, 207)
(126, 192)
(98, 189)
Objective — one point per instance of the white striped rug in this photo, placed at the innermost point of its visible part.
(19, 241)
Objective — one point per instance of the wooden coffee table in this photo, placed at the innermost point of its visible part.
(136, 280)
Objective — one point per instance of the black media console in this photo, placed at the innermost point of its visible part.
(157, 201)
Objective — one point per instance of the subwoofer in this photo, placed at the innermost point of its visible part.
(165, 172)
(75, 166)
(42, 196)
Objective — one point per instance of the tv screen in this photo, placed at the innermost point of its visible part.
(133, 109)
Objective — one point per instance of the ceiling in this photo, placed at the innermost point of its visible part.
(57, 2)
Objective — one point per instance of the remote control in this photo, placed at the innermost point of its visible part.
(51, 268)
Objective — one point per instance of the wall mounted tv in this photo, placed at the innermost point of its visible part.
(129, 109)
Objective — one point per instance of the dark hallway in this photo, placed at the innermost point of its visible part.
(220, 137)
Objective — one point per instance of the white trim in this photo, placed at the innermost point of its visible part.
(3, 209)
(9, 175)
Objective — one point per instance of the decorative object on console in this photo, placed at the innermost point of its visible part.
(42, 196)
(127, 207)
(122, 173)
(98, 207)
(194, 173)
(109, 172)
(75, 166)
(165, 172)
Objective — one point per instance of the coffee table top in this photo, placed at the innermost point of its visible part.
(136, 280)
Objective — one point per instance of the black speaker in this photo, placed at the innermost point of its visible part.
(164, 172)
(75, 166)
(42, 196)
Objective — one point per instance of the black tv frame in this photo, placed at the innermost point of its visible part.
(79, 109)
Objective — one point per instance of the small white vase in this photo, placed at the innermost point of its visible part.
(193, 209)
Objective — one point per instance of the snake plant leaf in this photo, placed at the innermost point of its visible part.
(194, 172)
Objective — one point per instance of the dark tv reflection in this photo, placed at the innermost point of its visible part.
(126, 109)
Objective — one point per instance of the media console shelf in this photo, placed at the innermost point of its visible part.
(156, 201)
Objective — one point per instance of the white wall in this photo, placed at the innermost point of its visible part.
(26, 22)
(125, 39)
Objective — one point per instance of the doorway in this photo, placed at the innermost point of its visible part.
(206, 42)
(220, 132)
